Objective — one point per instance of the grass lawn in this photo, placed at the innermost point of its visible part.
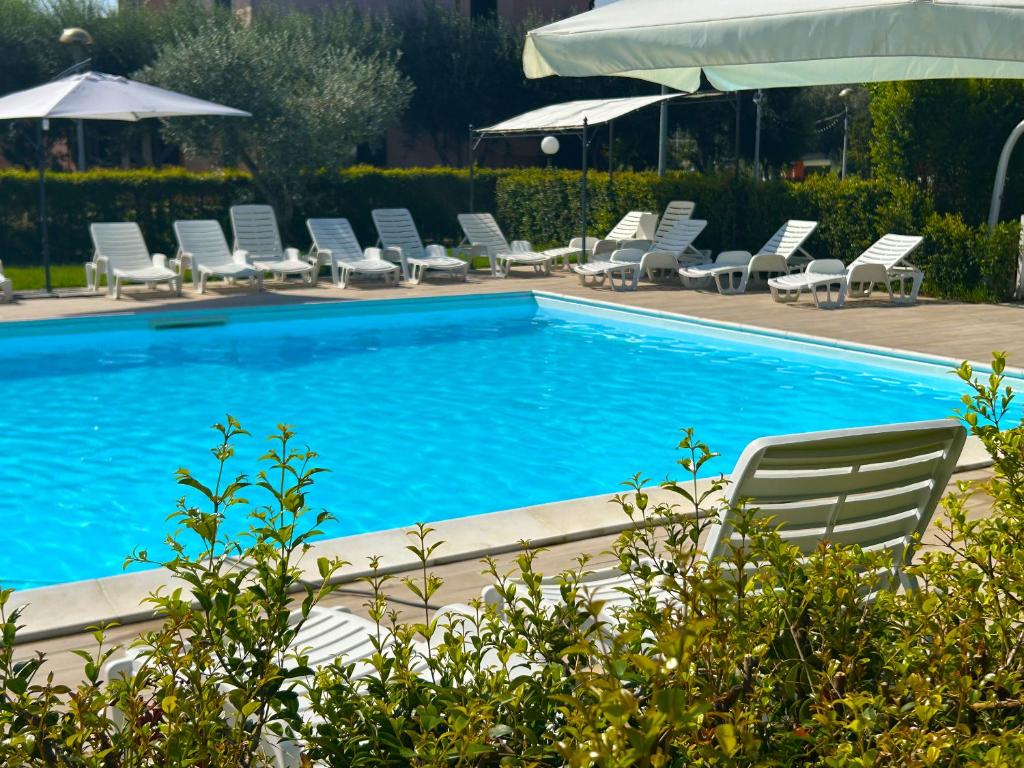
(31, 278)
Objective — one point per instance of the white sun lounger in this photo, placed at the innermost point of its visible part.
(402, 244)
(876, 487)
(6, 288)
(486, 239)
(664, 255)
(884, 262)
(635, 225)
(781, 255)
(203, 249)
(335, 244)
(122, 255)
(256, 234)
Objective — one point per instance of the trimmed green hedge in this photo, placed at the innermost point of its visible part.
(540, 205)
(156, 198)
(544, 206)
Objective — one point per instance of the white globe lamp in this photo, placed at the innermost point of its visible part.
(549, 145)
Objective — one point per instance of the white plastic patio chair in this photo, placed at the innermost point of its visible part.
(120, 252)
(402, 245)
(633, 226)
(876, 487)
(485, 238)
(203, 249)
(629, 264)
(6, 287)
(335, 244)
(256, 234)
(781, 255)
(884, 262)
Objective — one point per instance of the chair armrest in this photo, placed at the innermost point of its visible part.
(577, 242)
(175, 265)
(521, 246)
(393, 253)
(240, 256)
(436, 251)
(292, 254)
(642, 244)
(374, 254)
(159, 259)
(313, 257)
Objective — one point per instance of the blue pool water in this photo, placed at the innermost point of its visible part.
(423, 410)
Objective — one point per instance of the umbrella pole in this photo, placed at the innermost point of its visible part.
(583, 198)
(43, 230)
(472, 162)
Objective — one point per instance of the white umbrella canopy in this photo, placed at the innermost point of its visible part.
(749, 44)
(97, 96)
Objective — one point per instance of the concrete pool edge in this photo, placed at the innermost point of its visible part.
(74, 607)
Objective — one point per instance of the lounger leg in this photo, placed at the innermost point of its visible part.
(202, 283)
(117, 288)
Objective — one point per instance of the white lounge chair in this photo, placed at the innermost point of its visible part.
(486, 239)
(664, 255)
(6, 288)
(402, 245)
(120, 252)
(203, 249)
(883, 263)
(256, 234)
(876, 487)
(633, 226)
(335, 244)
(781, 255)
(327, 635)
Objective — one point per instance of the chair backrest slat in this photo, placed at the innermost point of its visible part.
(481, 229)
(204, 239)
(872, 486)
(789, 238)
(255, 230)
(396, 229)
(680, 237)
(121, 243)
(336, 236)
(675, 211)
(889, 250)
(631, 226)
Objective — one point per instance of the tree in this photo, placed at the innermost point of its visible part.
(312, 102)
(947, 135)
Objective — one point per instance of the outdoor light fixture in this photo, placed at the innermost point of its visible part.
(79, 40)
(845, 95)
(549, 145)
(75, 36)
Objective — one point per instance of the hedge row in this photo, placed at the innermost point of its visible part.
(960, 261)
(156, 198)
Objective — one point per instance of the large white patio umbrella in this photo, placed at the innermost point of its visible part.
(748, 44)
(96, 96)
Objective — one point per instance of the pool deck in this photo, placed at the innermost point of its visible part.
(947, 329)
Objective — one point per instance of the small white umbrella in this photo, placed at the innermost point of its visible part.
(96, 96)
(749, 44)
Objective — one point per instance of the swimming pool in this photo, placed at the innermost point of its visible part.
(423, 409)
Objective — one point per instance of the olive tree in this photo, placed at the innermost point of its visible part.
(312, 101)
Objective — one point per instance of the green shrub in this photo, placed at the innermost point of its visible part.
(155, 199)
(800, 660)
(968, 263)
(543, 206)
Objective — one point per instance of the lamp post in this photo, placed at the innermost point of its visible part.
(79, 40)
(845, 95)
(758, 101)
